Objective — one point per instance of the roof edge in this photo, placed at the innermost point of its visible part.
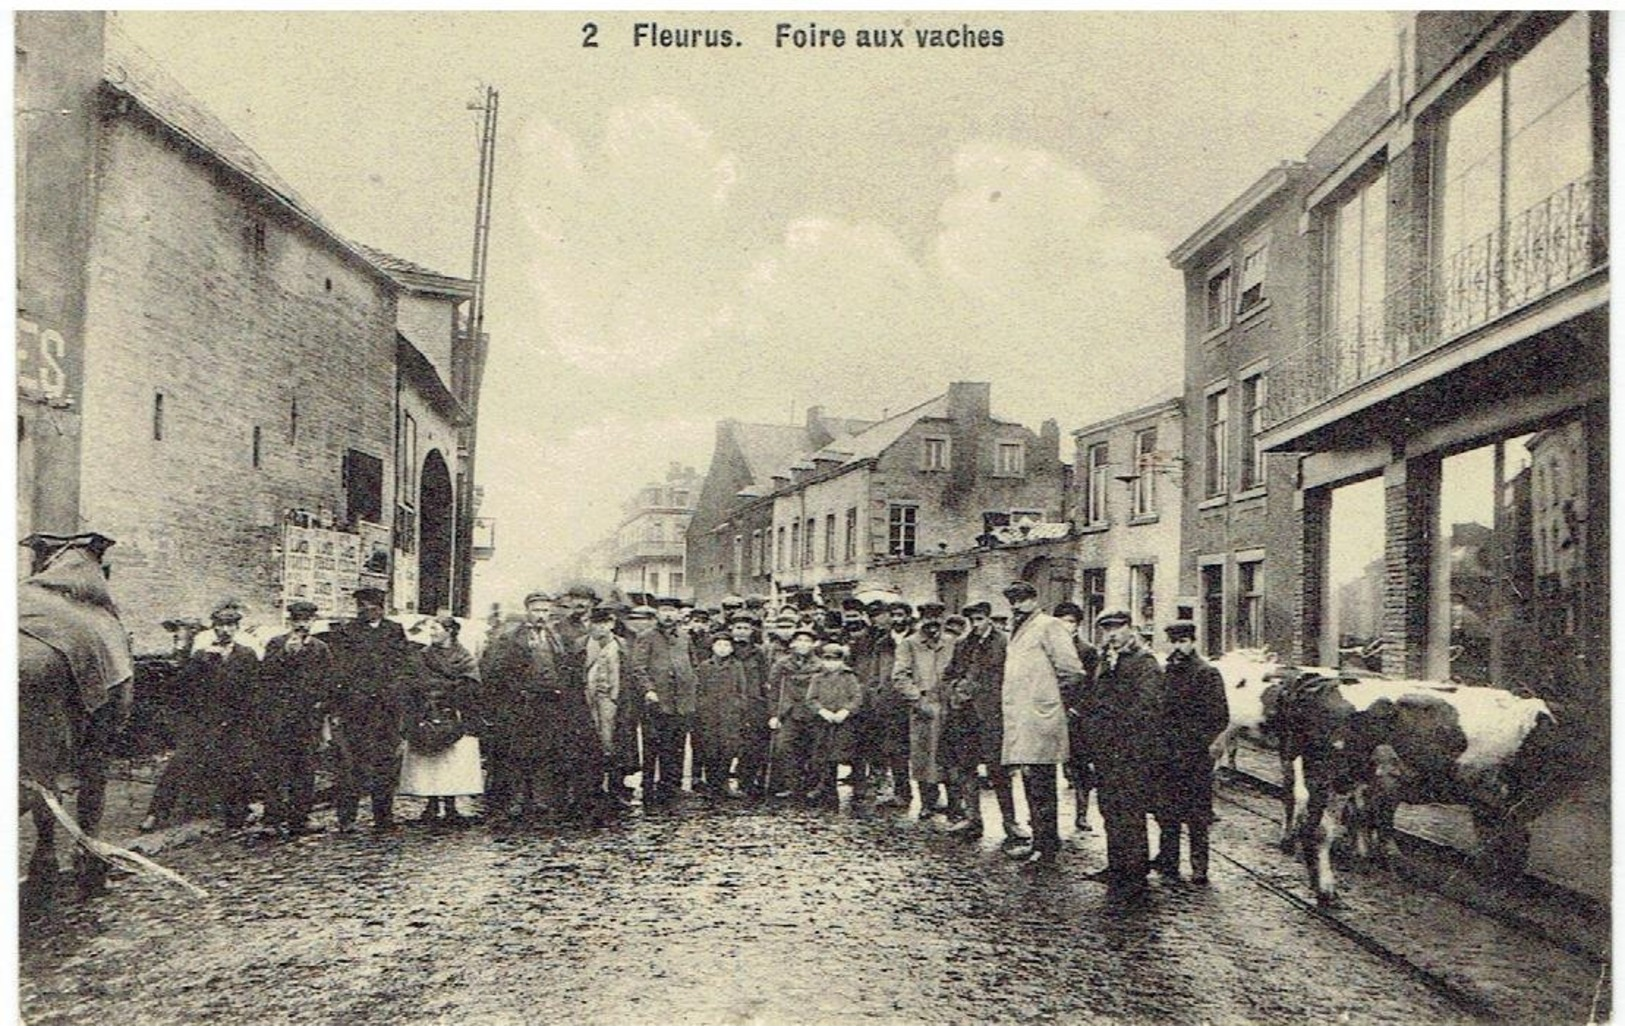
(1267, 185)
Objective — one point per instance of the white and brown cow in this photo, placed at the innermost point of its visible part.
(1353, 749)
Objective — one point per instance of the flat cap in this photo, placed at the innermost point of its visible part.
(369, 594)
(1071, 609)
(224, 615)
(931, 610)
(641, 613)
(1181, 630)
(977, 609)
(537, 596)
(1113, 618)
(301, 609)
(1015, 591)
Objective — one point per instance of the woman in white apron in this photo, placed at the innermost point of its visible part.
(437, 767)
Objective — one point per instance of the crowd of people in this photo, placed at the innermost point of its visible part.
(566, 706)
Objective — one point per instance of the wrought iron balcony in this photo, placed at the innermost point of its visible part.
(1546, 247)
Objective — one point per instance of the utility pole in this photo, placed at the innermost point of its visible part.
(475, 349)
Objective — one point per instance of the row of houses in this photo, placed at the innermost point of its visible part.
(251, 404)
(1391, 437)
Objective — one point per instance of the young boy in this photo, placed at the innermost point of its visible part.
(834, 695)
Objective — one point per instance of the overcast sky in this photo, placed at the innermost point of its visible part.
(684, 235)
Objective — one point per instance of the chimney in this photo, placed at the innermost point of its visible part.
(781, 481)
(969, 405)
(817, 433)
(1049, 440)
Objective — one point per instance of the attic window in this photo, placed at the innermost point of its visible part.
(256, 237)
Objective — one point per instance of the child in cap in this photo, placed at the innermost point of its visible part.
(834, 695)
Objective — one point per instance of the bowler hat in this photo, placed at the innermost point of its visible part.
(369, 594)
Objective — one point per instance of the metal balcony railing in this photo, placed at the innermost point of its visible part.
(1553, 243)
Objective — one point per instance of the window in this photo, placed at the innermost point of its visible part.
(1220, 299)
(256, 447)
(758, 553)
(1218, 442)
(1357, 254)
(1010, 459)
(903, 529)
(812, 542)
(293, 423)
(1250, 608)
(654, 530)
(778, 552)
(795, 543)
(1253, 394)
(852, 535)
(158, 417)
(409, 459)
(1094, 500)
(829, 538)
(1093, 584)
(934, 453)
(1516, 210)
(739, 559)
(676, 581)
(1144, 492)
(679, 497)
(363, 486)
(1255, 261)
(1142, 595)
(1213, 609)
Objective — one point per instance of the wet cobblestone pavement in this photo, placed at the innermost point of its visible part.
(735, 912)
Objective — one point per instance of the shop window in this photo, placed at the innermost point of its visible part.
(1354, 578)
(1515, 563)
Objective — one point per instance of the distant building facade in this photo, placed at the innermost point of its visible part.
(650, 542)
(1127, 508)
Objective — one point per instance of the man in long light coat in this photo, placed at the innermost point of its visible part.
(917, 676)
(1041, 675)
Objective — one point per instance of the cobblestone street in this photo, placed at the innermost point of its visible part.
(738, 912)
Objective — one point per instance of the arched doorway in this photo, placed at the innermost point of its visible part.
(436, 512)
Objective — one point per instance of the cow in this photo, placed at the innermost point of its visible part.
(1353, 749)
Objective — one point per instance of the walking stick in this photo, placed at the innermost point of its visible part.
(767, 774)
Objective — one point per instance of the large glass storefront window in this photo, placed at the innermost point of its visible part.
(1352, 627)
(1512, 569)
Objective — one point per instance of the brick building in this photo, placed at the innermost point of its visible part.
(727, 537)
(650, 545)
(1451, 373)
(1127, 511)
(929, 480)
(226, 370)
(1244, 294)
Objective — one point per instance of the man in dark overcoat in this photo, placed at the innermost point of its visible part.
(212, 766)
(755, 737)
(374, 670)
(1123, 713)
(1194, 712)
(974, 733)
(296, 686)
(883, 721)
(1080, 767)
(663, 672)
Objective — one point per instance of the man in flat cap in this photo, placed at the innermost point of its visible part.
(755, 736)
(974, 733)
(793, 771)
(663, 672)
(885, 714)
(1124, 713)
(1041, 674)
(296, 685)
(917, 676)
(1080, 767)
(1194, 712)
(210, 768)
(374, 664)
